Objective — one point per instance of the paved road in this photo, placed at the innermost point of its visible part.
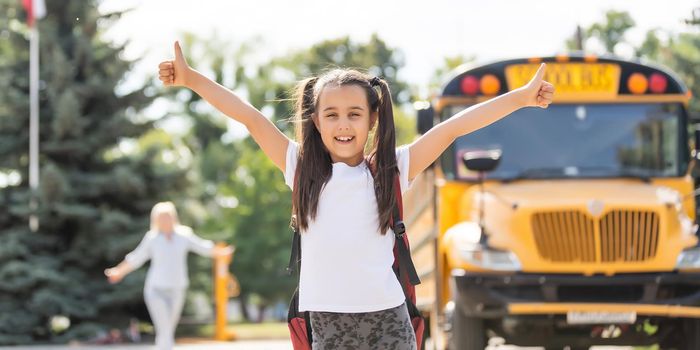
(237, 345)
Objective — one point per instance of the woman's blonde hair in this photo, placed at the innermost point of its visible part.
(163, 208)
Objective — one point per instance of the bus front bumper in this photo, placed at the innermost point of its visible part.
(653, 294)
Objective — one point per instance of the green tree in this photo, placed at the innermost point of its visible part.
(611, 31)
(577, 41)
(651, 46)
(680, 52)
(694, 18)
(261, 226)
(683, 57)
(443, 72)
(95, 194)
(274, 82)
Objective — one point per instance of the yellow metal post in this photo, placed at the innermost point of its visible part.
(225, 286)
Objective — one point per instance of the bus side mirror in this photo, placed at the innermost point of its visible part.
(425, 117)
(482, 161)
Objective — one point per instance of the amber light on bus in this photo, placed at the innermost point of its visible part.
(637, 83)
(490, 85)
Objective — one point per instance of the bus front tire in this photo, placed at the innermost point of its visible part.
(691, 334)
(685, 337)
(466, 333)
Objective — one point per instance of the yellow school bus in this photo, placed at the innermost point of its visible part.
(570, 226)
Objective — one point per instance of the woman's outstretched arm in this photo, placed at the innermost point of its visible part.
(272, 141)
(133, 260)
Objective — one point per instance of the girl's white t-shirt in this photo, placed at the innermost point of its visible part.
(345, 261)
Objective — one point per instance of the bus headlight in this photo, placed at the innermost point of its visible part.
(689, 259)
(491, 259)
(467, 243)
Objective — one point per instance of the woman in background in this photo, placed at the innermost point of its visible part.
(166, 244)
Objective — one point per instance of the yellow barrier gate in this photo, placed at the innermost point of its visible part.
(225, 286)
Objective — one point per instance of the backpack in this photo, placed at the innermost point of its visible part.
(299, 323)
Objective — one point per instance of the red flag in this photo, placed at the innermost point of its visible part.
(36, 9)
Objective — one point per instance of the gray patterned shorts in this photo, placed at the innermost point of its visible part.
(384, 329)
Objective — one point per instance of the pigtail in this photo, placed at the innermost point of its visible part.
(314, 165)
(383, 157)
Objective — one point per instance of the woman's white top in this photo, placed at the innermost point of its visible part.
(168, 256)
(345, 261)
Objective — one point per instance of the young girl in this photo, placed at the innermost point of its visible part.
(166, 244)
(343, 210)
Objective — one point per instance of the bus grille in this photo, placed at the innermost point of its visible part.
(618, 236)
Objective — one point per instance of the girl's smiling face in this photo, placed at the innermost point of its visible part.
(344, 119)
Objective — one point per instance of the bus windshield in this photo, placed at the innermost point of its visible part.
(582, 141)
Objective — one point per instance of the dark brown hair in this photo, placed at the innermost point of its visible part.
(314, 165)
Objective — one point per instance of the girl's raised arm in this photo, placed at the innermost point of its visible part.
(428, 147)
(272, 141)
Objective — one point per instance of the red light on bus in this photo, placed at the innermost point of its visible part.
(637, 83)
(490, 85)
(470, 85)
(657, 83)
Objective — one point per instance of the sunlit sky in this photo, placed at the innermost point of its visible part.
(425, 31)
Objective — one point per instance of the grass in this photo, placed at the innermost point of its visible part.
(243, 331)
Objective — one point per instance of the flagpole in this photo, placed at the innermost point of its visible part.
(33, 125)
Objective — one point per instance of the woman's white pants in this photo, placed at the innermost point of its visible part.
(164, 306)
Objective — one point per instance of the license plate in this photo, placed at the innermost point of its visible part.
(575, 80)
(576, 317)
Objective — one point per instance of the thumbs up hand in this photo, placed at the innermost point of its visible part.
(174, 73)
(538, 92)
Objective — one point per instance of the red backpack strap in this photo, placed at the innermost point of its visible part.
(298, 322)
(406, 267)
(295, 255)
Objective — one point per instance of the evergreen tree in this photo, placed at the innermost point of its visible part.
(95, 195)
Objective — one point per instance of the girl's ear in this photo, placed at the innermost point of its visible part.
(314, 117)
(373, 119)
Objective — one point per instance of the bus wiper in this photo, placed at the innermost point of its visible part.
(631, 174)
(575, 172)
(537, 173)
